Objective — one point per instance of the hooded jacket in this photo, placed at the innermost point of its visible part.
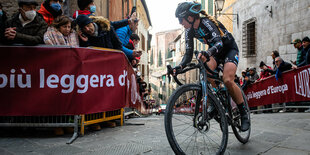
(31, 34)
(82, 12)
(305, 56)
(48, 13)
(106, 38)
(265, 73)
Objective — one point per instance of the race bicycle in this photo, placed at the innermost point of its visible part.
(198, 114)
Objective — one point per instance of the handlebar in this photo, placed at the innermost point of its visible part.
(190, 66)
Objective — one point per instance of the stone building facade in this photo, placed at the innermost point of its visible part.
(274, 24)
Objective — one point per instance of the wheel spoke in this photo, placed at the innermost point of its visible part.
(184, 134)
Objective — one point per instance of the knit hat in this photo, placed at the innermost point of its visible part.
(27, 2)
(262, 64)
(84, 3)
(296, 41)
(252, 69)
(306, 39)
(83, 20)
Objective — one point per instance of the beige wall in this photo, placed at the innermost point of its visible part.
(116, 7)
(227, 20)
(142, 15)
(101, 8)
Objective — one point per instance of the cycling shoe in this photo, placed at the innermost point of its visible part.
(245, 123)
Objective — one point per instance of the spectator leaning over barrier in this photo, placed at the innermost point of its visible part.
(274, 54)
(124, 34)
(298, 45)
(61, 33)
(265, 71)
(88, 8)
(25, 27)
(3, 18)
(133, 41)
(253, 75)
(242, 78)
(250, 78)
(282, 66)
(305, 52)
(50, 9)
(97, 31)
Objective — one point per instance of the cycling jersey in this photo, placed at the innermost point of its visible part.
(222, 48)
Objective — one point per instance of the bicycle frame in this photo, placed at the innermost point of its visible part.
(203, 81)
(206, 88)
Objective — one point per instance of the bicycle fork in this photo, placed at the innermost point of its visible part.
(200, 123)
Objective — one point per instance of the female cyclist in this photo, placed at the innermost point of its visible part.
(222, 49)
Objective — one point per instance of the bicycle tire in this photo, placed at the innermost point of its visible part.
(242, 137)
(176, 116)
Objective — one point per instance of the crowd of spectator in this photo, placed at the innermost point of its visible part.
(31, 26)
(47, 25)
(250, 75)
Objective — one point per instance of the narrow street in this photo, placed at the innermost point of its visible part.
(272, 134)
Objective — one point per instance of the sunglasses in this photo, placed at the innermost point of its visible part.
(180, 20)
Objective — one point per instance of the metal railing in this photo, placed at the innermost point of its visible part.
(42, 121)
(63, 121)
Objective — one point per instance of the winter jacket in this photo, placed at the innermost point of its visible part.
(253, 77)
(82, 12)
(48, 13)
(130, 45)
(124, 34)
(116, 24)
(284, 66)
(305, 55)
(300, 58)
(265, 73)
(53, 37)
(106, 38)
(308, 57)
(3, 18)
(31, 34)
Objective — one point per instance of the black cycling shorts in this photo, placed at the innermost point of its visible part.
(232, 55)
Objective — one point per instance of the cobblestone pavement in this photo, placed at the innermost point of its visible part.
(272, 134)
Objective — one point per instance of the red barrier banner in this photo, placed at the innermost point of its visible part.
(293, 86)
(64, 81)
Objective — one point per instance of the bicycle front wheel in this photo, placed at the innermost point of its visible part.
(184, 134)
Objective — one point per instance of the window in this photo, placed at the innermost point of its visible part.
(210, 7)
(142, 42)
(142, 69)
(249, 38)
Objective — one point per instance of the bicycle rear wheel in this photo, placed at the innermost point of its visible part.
(242, 137)
(183, 133)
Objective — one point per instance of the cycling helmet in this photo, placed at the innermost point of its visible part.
(185, 9)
